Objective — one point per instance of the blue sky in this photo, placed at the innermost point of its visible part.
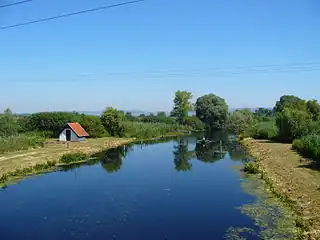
(135, 57)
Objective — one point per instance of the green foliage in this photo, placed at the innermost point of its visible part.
(73, 157)
(263, 112)
(51, 121)
(251, 168)
(20, 142)
(313, 108)
(113, 122)
(212, 110)
(194, 122)
(240, 120)
(265, 130)
(148, 130)
(289, 101)
(93, 125)
(308, 146)
(8, 124)
(292, 123)
(182, 105)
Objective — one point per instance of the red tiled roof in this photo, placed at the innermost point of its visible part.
(78, 129)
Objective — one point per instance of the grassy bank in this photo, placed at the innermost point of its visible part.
(15, 165)
(291, 179)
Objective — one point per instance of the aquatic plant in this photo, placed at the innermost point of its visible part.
(251, 168)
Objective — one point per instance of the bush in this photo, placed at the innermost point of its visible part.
(265, 130)
(20, 142)
(194, 122)
(292, 124)
(73, 157)
(308, 146)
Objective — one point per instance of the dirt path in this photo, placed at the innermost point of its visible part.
(291, 177)
(52, 152)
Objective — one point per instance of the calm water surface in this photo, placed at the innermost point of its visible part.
(171, 190)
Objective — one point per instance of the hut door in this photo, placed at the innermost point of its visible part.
(68, 135)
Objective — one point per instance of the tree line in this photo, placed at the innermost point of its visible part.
(291, 120)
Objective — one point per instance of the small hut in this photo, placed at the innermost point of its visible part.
(73, 132)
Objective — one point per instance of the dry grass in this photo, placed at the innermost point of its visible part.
(291, 179)
(52, 152)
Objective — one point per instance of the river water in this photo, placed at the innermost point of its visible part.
(175, 189)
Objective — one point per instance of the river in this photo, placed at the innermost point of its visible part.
(174, 189)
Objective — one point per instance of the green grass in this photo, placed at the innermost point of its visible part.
(149, 130)
(73, 157)
(20, 142)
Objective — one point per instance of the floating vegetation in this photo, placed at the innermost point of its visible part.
(239, 233)
(274, 218)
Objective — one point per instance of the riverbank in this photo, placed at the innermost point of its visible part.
(16, 165)
(290, 177)
(34, 161)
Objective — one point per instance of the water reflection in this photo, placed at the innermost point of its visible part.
(185, 150)
(111, 161)
(182, 156)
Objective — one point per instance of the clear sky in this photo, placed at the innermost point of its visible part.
(135, 57)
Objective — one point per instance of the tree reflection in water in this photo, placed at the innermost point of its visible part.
(182, 156)
(210, 152)
(111, 161)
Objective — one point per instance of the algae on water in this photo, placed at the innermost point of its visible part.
(274, 219)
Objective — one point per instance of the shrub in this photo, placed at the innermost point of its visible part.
(194, 122)
(265, 130)
(20, 142)
(308, 146)
(251, 168)
(73, 157)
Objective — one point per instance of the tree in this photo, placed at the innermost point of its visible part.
(8, 124)
(212, 110)
(313, 108)
(293, 123)
(93, 125)
(289, 101)
(112, 120)
(264, 114)
(182, 105)
(51, 122)
(240, 121)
